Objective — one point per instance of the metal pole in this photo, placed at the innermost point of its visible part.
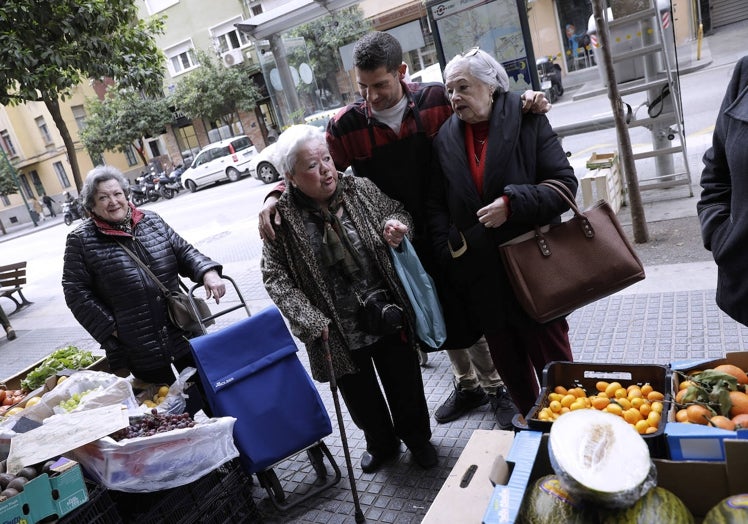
(661, 129)
(624, 140)
(13, 174)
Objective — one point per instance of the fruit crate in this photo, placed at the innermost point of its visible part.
(100, 508)
(586, 375)
(223, 495)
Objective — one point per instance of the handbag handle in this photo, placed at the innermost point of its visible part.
(565, 193)
(135, 257)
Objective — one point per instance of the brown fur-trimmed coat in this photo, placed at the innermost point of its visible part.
(294, 281)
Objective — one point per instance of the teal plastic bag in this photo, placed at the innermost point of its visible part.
(419, 286)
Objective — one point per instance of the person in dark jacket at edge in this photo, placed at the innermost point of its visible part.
(490, 160)
(113, 298)
(386, 137)
(722, 210)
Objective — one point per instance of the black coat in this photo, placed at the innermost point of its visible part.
(723, 207)
(522, 151)
(106, 290)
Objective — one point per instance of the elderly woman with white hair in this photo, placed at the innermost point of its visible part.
(490, 159)
(329, 255)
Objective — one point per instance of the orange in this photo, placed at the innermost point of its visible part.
(624, 403)
(650, 430)
(657, 406)
(612, 388)
(632, 416)
(681, 415)
(733, 370)
(601, 386)
(722, 422)
(600, 403)
(741, 421)
(647, 389)
(739, 402)
(567, 400)
(578, 392)
(679, 396)
(641, 427)
(646, 409)
(560, 390)
(655, 395)
(698, 414)
(614, 409)
(654, 419)
(685, 384)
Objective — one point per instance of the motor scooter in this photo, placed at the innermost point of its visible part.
(71, 211)
(143, 190)
(168, 185)
(549, 74)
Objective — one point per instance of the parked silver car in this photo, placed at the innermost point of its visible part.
(225, 160)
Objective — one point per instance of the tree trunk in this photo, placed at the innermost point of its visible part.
(53, 106)
(140, 148)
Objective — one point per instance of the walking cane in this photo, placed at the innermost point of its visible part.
(334, 387)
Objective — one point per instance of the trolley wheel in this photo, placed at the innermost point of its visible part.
(317, 458)
(269, 481)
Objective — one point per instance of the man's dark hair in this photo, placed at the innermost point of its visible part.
(377, 49)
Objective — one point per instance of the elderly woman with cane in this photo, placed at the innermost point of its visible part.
(330, 274)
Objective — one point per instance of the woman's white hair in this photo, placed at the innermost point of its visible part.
(481, 66)
(291, 141)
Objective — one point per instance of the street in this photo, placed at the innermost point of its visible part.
(221, 221)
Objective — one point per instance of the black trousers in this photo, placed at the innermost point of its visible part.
(398, 413)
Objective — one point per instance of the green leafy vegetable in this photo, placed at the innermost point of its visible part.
(69, 357)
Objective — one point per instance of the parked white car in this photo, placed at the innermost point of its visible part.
(263, 166)
(225, 160)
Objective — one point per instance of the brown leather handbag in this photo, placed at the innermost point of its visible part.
(558, 268)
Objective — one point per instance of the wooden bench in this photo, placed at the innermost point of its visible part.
(12, 279)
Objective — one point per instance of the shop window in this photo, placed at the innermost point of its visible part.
(574, 16)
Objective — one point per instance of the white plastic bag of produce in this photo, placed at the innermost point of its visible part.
(162, 461)
(83, 390)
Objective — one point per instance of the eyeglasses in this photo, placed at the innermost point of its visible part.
(472, 52)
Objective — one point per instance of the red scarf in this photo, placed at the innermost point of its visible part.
(476, 136)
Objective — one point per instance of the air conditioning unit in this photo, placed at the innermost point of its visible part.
(233, 57)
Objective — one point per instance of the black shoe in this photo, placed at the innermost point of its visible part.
(371, 463)
(425, 456)
(460, 402)
(503, 408)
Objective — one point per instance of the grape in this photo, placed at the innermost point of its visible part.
(149, 425)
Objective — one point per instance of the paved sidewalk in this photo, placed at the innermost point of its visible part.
(671, 315)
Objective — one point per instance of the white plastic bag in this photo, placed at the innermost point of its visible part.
(162, 461)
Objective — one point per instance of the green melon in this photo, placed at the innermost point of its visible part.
(547, 502)
(600, 458)
(732, 510)
(658, 505)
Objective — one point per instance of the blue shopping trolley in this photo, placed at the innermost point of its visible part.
(250, 371)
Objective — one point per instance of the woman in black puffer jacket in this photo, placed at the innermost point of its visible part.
(112, 296)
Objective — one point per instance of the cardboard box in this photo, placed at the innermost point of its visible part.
(586, 375)
(694, 441)
(700, 485)
(14, 382)
(47, 495)
(468, 488)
